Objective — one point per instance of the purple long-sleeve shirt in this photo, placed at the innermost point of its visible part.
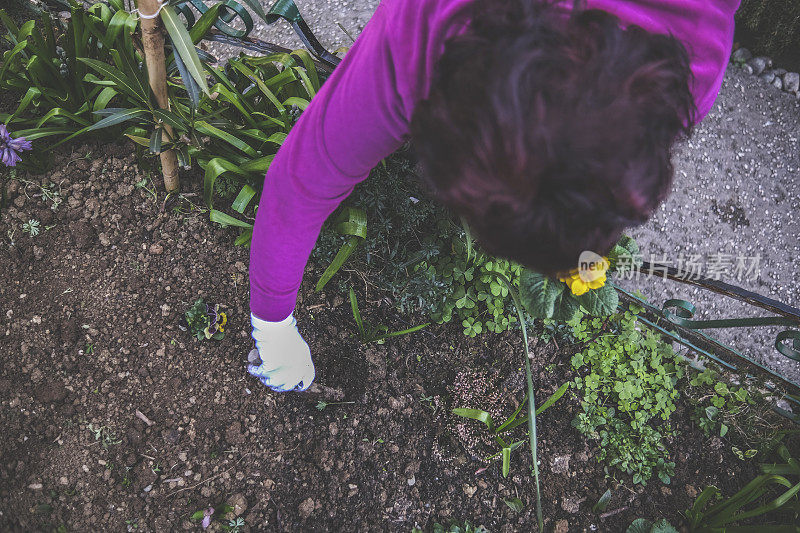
(363, 111)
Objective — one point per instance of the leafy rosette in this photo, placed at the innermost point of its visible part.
(205, 321)
(560, 298)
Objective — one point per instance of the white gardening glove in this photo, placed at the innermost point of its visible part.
(285, 357)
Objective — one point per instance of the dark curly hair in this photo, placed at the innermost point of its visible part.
(551, 132)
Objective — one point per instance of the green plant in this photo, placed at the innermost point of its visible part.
(352, 224)
(602, 503)
(205, 321)
(234, 525)
(237, 134)
(515, 504)
(60, 95)
(475, 294)
(770, 27)
(508, 425)
(561, 299)
(736, 408)
(49, 192)
(768, 492)
(322, 405)
(425, 260)
(31, 227)
(233, 128)
(105, 435)
(627, 384)
(763, 498)
(406, 227)
(375, 333)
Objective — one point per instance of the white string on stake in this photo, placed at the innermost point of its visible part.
(161, 5)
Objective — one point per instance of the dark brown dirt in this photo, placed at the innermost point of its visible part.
(90, 309)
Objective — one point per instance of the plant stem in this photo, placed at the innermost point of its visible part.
(531, 402)
(153, 44)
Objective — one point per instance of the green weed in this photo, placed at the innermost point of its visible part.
(510, 423)
(375, 333)
(627, 383)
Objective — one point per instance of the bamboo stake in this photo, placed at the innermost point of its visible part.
(153, 43)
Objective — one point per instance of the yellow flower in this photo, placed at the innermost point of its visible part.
(590, 280)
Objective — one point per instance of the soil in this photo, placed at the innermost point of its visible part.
(117, 420)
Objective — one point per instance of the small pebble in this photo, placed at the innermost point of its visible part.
(741, 55)
(759, 64)
(791, 82)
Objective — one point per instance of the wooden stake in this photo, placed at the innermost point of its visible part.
(153, 43)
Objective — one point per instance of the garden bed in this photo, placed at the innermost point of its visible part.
(91, 308)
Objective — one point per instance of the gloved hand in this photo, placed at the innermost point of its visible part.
(285, 357)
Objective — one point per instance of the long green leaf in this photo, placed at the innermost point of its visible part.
(258, 165)
(215, 168)
(141, 141)
(208, 129)
(352, 221)
(532, 438)
(256, 7)
(476, 414)
(506, 461)
(12, 28)
(169, 118)
(117, 118)
(244, 238)
(126, 63)
(117, 24)
(8, 58)
(512, 423)
(30, 95)
(553, 399)
(104, 98)
(341, 257)
(243, 198)
(155, 141)
(189, 84)
(729, 515)
(204, 23)
(402, 332)
(38, 133)
(468, 236)
(122, 81)
(59, 112)
(511, 418)
(221, 218)
(238, 65)
(236, 99)
(184, 46)
(356, 312)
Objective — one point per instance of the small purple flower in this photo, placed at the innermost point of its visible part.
(9, 147)
(207, 514)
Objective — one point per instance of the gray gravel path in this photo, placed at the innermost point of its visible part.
(736, 193)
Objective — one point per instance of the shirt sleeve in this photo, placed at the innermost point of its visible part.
(354, 121)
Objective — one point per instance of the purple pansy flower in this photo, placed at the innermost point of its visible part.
(207, 514)
(9, 147)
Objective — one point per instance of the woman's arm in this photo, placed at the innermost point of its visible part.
(353, 123)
